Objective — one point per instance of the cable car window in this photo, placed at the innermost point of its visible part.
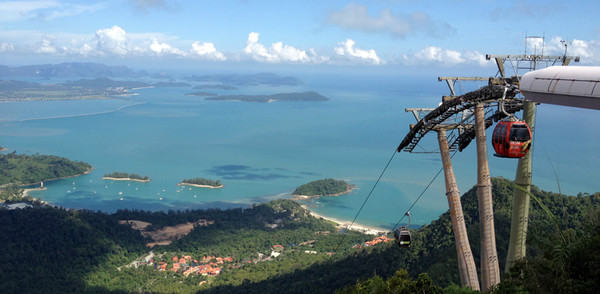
(519, 133)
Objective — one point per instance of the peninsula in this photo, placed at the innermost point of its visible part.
(324, 187)
(121, 176)
(310, 96)
(202, 183)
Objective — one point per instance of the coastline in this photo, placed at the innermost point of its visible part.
(200, 186)
(54, 179)
(126, 179)
(340, 224)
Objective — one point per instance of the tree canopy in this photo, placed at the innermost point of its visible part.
(325, 187)
(25, 169)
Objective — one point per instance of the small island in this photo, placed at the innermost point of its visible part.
(310, 96)
(325, 187)
(202, 183)
(121, 176)
(3, 149)
(201, 93)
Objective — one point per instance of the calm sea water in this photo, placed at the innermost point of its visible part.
(263, 151)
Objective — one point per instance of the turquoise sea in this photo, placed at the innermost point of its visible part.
(263, 151)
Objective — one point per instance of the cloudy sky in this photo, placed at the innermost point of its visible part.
(374, 33)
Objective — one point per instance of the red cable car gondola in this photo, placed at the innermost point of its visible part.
(511, 138)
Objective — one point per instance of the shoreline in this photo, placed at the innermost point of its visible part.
(53, 179)
(126, 179)
(200, 186)
(340, 224)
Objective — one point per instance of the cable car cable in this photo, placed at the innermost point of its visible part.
(420, 195)
(366, 199)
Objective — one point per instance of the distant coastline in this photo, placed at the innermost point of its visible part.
(310, 96)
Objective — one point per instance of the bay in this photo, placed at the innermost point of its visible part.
(263, 151)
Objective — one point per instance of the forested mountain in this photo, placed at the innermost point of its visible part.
(48, 250)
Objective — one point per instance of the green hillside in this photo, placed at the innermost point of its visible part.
(278, 245)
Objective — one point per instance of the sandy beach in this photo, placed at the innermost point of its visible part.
(346, 224)
(126, 179)
(26, 191)
(201, 186)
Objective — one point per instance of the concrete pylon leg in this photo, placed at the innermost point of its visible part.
(490, 272)
(520, 209)
(466, 264)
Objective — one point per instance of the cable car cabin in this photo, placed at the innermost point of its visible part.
(511, 138)
(403, 238)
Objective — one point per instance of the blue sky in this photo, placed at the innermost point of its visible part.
(374, 33)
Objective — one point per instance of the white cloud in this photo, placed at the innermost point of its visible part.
(357, 17)
(112, 40)
(206, 50)
(277, 53)
(445, 57)
(45, 46)
(164, 49)
(439, 55)
(347, 49)
(7, 47)
(476, 57)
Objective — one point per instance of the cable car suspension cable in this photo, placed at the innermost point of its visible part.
(420, 195)
(365, 201)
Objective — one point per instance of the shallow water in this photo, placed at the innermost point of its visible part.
(262, 151)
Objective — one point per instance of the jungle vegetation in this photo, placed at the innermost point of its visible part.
(23, 169)
(124, 175)
(54, 250)
(202, 181)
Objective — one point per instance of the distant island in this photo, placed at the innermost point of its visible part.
(202, 183)
(324, 187)
(171, 84)
(3, 149)
(301, 96)
(268, 79)
(215, 87)
(201, 93)
(121, 176)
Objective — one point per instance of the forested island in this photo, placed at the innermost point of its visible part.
(171, 84)
(295, 96)
(277, 245)
(257, 79)
(215, 87)
(202, 183)
(325, 187)
(122, 176)
(201, 93)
